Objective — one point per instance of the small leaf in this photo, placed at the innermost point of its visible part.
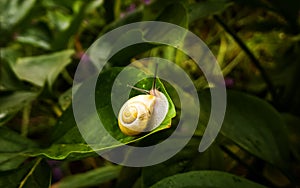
(36, 37)
(91, 178)
(212, 179)
(41, 69)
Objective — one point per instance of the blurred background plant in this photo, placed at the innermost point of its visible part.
(255, 42)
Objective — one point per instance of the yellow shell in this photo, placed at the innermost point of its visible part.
(135, 114)
(143, 113)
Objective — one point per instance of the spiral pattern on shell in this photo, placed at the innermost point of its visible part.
(135, 110)
(135, 114)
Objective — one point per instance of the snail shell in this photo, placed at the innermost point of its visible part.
(143, 113)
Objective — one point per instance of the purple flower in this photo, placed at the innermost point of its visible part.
(229, 82)
(57, 172)
(131, 8)
(147, 2)
(122, 15)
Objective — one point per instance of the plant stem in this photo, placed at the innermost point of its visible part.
(25, 119)
(253, 59)
(117, 7)
(30, 173)
(67, 76)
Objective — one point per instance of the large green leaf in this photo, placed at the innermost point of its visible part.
(212, 179)
(42, 69)
(12, 148)
(35, 174)
(254, 125)
(257, 127)
(67, 140)
(91, 178)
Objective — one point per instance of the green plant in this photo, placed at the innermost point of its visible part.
(256, 44)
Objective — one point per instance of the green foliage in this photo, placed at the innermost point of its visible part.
(12, 102)
(205, 179)
(254, 125)
(255, 42)
(12, 148)
(34, 174)
(257, 127)
(69, 142)
(94, 177)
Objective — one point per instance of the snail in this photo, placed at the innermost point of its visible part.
(144, 112)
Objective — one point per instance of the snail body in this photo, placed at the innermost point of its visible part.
(143, 113)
